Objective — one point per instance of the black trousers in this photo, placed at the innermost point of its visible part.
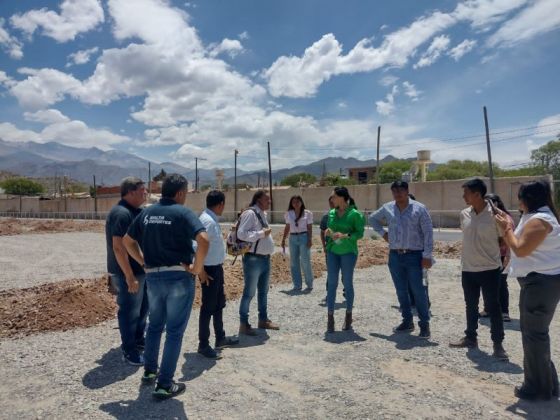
(504, 293)
(538, 299)
(213, 304)
(489, 282)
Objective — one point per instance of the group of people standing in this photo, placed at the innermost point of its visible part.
(154, 255)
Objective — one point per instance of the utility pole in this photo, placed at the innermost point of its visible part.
(149, 179)
(235, 184)
(377, 169)
(196, 159)
(94, 197)
(270, 183)
(491, 169)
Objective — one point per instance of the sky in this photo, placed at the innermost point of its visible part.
(174, 80)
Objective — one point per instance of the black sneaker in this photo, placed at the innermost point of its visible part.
(425, 332)
(162, 393)
(149, 377)
(134, 359)
(209, 352)
(404, 327)
(226, 342)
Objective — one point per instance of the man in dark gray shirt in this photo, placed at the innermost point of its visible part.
(127, 276)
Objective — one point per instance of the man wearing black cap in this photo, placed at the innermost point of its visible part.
(410, 239)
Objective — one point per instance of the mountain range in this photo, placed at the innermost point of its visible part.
(43, 160)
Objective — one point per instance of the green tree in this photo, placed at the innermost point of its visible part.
(335, 180)
(160, 177)
(21, 186)
(294, 180)
(459, 169)
(548, 158)
(393, 171)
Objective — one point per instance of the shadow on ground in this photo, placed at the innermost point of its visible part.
(195, 365)
(111, 369)
(145, 407)
(339, 337)
(486, 363)
(536, 409)
(405, 341)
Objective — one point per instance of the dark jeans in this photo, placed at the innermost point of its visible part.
(489, 282)
(406, 270)
(213, 304)
(171, 295)
(256, 276)
(538, 299)
(132, 313)
(411, 296)
(503, 295)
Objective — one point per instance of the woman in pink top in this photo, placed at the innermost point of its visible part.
(299, 223)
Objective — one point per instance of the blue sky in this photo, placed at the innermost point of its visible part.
(171, 80)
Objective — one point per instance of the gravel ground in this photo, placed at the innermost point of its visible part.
(34, 259)
(296, 372)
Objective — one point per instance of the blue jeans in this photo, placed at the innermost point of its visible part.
(256, 275)
(300, 256)
(132, 313)
(406, 269)
(171, 295)
(345, 265)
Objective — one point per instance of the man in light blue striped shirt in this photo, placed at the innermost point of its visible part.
(410, 240)
(212, 280)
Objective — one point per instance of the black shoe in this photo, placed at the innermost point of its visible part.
(425, 332)
(149, 377)
(404, 327)
(173, 390)
(226, 342)
(499, 352)
(209, 353)
(522, 393)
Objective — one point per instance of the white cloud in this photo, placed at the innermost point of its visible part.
(387, 107)
(461, 49)
(388, 80)
(483, 14)
(243, 35)
(81, 57)
(9, 43)
(61, 129)
(301, 77)
(411, 91)
(342, 105)
(46, 116)
(75, 17)
(540, 17)
(230, 46)
(43, 87)
(434, 51)
(548, 127)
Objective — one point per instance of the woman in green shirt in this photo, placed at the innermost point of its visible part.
(345, 226)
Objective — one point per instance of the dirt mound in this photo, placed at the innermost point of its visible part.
(82, 303)
(13, 226)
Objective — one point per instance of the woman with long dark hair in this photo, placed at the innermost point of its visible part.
(345, 228)
(505, 255)
(299, 225)
(535, 261)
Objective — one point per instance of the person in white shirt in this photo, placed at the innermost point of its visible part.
(299, 225)
(254, 228)
(535, 261)
(212, 280)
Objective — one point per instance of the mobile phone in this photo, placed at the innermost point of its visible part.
(493, 206)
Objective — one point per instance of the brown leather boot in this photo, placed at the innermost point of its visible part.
(247, 329)
(347, 321)
(268, 325)
(330, 322)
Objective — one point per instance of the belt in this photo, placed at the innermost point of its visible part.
(298, 233)
(405, 251)
(257, 255)
(164, 268)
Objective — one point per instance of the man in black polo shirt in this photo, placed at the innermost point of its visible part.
(127, 276)
(161, 238)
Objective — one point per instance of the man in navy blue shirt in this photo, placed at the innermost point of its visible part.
(160, 239)
(127, 276)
